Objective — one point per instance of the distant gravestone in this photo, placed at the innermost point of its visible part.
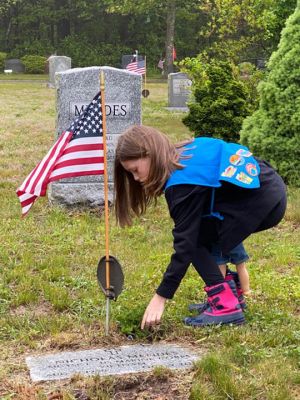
(57, 64)
(15, 65)
(75, 90)
(114, 361)
(127, 58)
(179, 90)
(261, 63)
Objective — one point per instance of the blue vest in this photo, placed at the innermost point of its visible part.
(213, 161)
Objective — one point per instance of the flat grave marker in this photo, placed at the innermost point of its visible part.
(110, 361)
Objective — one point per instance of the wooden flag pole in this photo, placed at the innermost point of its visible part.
(145, 84)
(106, 210)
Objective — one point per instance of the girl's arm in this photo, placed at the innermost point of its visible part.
(185, 205)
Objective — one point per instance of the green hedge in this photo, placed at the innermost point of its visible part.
(34, 64)
(2, 61)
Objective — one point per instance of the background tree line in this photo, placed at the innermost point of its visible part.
(98, 32)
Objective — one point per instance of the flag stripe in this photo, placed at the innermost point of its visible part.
(28, 181)
(78, 161)
(26, 208)
(40, 183)
(26, 201)
(81, 154)
(138, 67)
(66, 172)
(77, 147)
(34, 184)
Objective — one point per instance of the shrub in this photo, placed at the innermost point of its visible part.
(272, 132)
(2, 61)
(34, 64)
(221, 99)
(31, 47)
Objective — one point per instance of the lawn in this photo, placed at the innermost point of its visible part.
(23, 77)
(50, 300)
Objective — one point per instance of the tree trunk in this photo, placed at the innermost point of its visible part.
(171, 15)
(72, 23)
(7, 34)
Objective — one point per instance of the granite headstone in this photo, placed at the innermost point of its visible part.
(75, 90)
(57, 64)
(179, 90)
(110, 361)
(15, 65)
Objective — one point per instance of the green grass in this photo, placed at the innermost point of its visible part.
(50, 300)
(31, 77)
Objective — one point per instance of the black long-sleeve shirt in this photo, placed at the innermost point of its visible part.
(244, 211)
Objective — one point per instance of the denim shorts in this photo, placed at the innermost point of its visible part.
(235, 256)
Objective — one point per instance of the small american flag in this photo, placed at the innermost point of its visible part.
(161, 64)
(137, 66)
(77, 152)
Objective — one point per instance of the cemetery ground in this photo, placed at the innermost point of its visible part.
(50, 300)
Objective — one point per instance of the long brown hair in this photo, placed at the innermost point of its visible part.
(139, 141)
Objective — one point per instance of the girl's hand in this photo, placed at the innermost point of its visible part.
(154, 311)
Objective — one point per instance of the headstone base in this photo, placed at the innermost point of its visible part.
(178, 109)
(50, 85)
(79, 194)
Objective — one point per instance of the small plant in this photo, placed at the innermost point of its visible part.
(162, 373)
(129, 319)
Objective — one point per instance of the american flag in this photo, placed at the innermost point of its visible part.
(137, 66)
(161, 64)
(77, 152)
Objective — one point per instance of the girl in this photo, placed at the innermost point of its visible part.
(217, 192)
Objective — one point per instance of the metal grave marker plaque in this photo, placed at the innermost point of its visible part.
(109, 361)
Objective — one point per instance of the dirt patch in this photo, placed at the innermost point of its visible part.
(161, 385)
(38, 310)
(152, 387)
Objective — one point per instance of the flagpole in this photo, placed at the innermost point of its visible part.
(106, 210)
(145, 73)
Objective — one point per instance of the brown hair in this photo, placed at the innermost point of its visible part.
(139, 141)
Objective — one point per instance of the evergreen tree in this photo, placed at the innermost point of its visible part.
(221, 100)
(273, 131)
